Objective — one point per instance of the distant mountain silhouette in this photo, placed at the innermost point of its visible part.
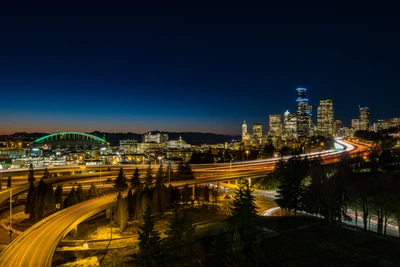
(194, 138)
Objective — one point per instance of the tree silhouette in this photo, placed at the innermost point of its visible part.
(49, 201)
(243, 207)
(149, 240)
(30, 197)
(93, 191)
(40, 193)
(122, 213)
(46, 173)
(120, 182)
(234, 255)
(58, 197)
(80, 194)
(135, 181)
(149, 176)
(31, 176)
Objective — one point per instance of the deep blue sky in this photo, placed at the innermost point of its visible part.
(207, 70)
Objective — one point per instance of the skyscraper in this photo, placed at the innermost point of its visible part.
(325, 117)
(257, 130)
(364, 118)
(244, 128)
(303, 113)
(289, 125)
(355, 124)
(275, 124)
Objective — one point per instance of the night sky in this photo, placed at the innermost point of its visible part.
(192, 69)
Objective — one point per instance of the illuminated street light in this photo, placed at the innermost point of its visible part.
(247, 153)
(159, 160)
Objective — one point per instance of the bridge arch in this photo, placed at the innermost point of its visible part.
(70, 136)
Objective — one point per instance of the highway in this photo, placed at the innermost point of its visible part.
(35, 247)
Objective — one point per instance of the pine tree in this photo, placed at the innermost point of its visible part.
(234, 255)
(243, 207)
(160, 174)
(130, 201)
(180, 233)
(185, 194)
(159, 193)
(32, 204)
(168, 174)
(149, 240)
(149, 176)
(46, 173)
(120, 183)
(72, 197)
(30, 197)
(80, 194)
(31, 177)
(188, 173)
(135, 182)
(93, 191)
(58, 197)
(49, 201)
(121, 214)
(40, 193)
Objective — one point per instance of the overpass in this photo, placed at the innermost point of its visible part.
(36, 246)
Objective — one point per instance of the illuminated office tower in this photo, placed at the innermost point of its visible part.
(325, 117)
(289, 125)
(337, 125)
(244, 128)
(275, 124)
(257, 130)
(355, 124)
(303, 113)
(364, 118)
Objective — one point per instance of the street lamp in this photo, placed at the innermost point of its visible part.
(159, 160)
(247, 154)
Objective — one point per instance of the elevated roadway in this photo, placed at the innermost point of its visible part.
(35, 247)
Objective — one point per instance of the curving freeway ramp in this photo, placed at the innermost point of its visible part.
(36, 246)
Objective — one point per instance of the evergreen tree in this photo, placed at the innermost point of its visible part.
(58, 197)
(46, 173)
(171, 195)
(290, 175)
(40, 194)
(185, 194)
(149, 240)
(159, 193)
(30, 197)
(168, 173)
(122, 213)
(180, 233)
(49, 206)
(93, 191)
(149, 176)
(234, 255)
(80, 194)
(72, 198)
(130, 202)
(31, 176)
(135, 182)
(206, 194)
(243, 207)
(160, 175)
(32, 204)
(120, 183)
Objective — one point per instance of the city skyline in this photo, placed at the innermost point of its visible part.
(198, 70)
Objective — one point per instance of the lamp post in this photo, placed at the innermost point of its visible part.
(247, 154)
(159, 160)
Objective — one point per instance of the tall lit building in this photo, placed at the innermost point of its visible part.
(289, 125)
(325, 117)
(364, 118)
(355, 124)
(244, 128)
(275, 124)
(257, 130)
(303, 113)
(337, 125)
